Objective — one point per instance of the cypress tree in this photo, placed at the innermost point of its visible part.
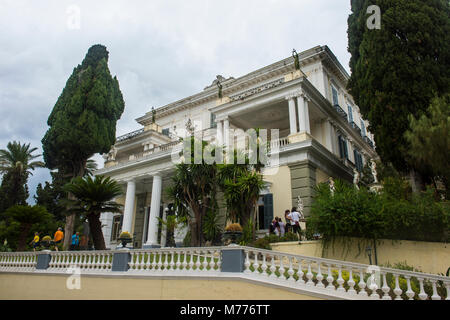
(398, 69)
(83, 120)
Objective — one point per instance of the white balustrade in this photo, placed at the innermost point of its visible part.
(18, 261)
(343, 279)
(332, 278)
(175, 260)
(87, 261)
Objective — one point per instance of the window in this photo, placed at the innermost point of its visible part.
(213, 123)
(343, 151)
(116, 227)
(350, 113)
(165, 132)
(335, 96)
(358, 160)
(363, 128)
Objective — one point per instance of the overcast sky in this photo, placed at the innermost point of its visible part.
(160, 51)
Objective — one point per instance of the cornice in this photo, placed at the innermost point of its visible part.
(233, 86)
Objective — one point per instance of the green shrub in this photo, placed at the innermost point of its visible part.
(262, 243)
(394, 213)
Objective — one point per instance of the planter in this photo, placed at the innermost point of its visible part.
(231, 237)
(125, 241)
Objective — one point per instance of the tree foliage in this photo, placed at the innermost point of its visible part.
(397, 70)
(83, 120)
(193, 188)
(22, 221)
(429, 139)
(394, 213)
(17, 162)
(94, 196)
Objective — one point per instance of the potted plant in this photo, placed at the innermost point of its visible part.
(125, 237)
(46, 242)
(232, 234)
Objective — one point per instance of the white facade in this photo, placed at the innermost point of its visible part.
(310, 108)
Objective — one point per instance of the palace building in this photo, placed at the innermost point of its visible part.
(321, 134)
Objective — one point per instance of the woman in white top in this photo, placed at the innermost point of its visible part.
(294, 217)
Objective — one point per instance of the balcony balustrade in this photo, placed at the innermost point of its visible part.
(340, 111)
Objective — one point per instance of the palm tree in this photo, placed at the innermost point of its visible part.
(17, 162)
(92, 197)
(19, 157)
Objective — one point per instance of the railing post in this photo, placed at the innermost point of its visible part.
(233, 260)
(43, 260)
(121, 260)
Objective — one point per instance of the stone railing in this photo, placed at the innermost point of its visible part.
(17, 261)
(85, 260)
(130, 135)
(279, 143)
(326, 278)
(344, 279)
(173, 260)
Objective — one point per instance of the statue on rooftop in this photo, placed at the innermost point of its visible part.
(296, 59)
(219, 85)
(153, 115)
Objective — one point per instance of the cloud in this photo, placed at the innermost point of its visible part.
(160, 50)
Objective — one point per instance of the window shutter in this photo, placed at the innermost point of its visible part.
(345, 148)
(268, 210)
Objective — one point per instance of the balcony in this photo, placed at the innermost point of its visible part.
(340, 111)
(355, 126)
(369, 142)
(130, 135)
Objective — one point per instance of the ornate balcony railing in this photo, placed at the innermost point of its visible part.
(340, 111)
(129, 135)
(369, 142)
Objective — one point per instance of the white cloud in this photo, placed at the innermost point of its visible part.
(160, 50)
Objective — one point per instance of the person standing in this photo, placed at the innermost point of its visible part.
(288, 221)
(58, 237)
(75, 242)
(282, 226)
(294, 217)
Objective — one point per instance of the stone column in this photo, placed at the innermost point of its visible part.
(303, 113)
(152, 236)
(129, 206)
(226, 133)
(292, 115)
(219, 133)
(164, 229)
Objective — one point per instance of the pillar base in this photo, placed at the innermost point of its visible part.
(299, 137)
(233, 260)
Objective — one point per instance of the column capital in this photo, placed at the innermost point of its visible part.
(157, 174)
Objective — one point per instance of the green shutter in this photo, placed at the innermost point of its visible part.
(268, 210)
